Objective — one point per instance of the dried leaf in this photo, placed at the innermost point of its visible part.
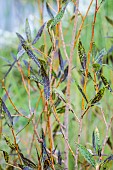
(105, 82)
(39, 34)
(8, 116)
(98, 96)
(28, 31)
(109, 20)
(27, 162)
(82, 55)
(6, 156)
(87, 155)
(49, 11)
(58, 17)
(81, 91)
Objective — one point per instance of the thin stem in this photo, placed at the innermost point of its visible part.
(66, 115)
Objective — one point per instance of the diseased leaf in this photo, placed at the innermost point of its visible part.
(31, 55)
(20, 53)
(27, 66)
(83, 73)
(39, 34)
(81, 91)
(28, 31)
(93, 141)
(8, 116)
(59, 158)
(58, 17)
(61, 62)
(87, 155)
(27, 162)
(107, 163)
(6, 156)
(49, 11)
(97, 142)
(82, 55)
(34, 78)
(12, 65)
(105, 82)
(9, 143)
(64, 76)
(109, 20)
(98, 96)
(22, 40)
(100, 55)
(46, 83)
(59, 99)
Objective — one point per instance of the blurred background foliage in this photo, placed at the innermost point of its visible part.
(13, 14)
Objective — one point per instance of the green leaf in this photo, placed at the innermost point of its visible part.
(105, 82)
(98, 96)
(97, 142)
(96, 67)
(58, 17)
(87, 155)
(82, 55)
(81, 91)
(28, 31)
